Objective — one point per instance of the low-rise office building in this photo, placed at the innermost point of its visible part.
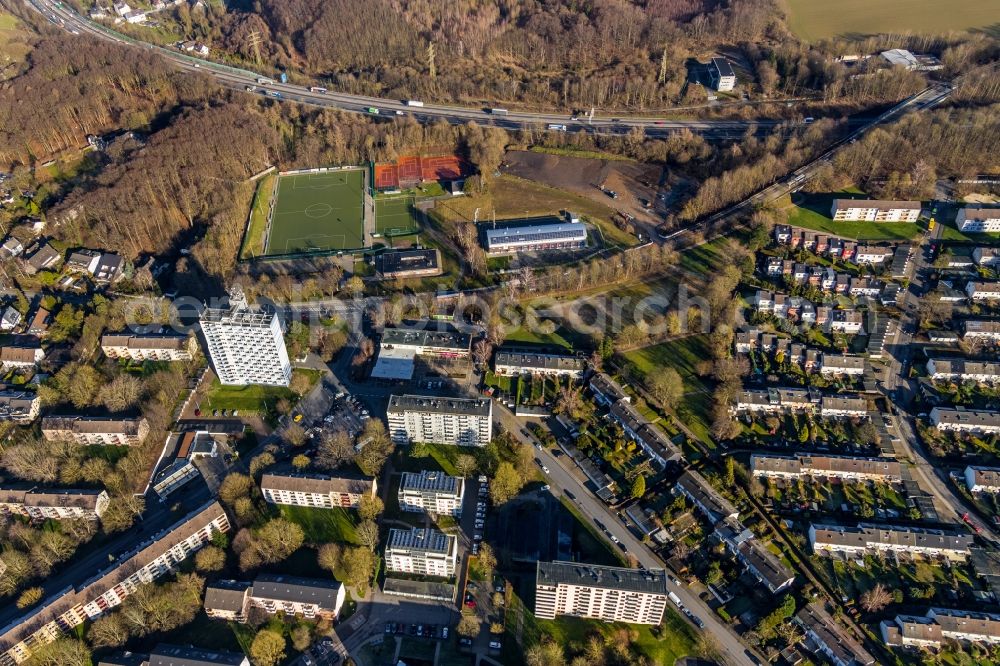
(421, 551)
(847, 468)
(536, 237)
(982, 479)
(408, 263)
(315, 490)
(940, 625)
(875, 210)
(722, 75)
(55, 504)
(866, 537)
(437, 420)
(149, 347)
(400, 348)
(965, 420)
(432, 492)
(611, 594)
(188, 447)
(513, 363)
(148, 561)
(95, 430)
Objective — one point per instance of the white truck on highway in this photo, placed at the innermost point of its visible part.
(414, 102)
(264, 81)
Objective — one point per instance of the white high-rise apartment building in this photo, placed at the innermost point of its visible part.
(436, 420)
(246, 344)
(612, 594)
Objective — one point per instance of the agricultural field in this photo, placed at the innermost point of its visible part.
(813, 20)
(13, 47)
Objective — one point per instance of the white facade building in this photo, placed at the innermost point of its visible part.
(982, 479)
(315, 490)
(562, 235)
(611, 594)
(978, 220)
(848, 468)
(983, 291)
(421, 551)
(962, 370)
(873, 210)
(965, 420)
(42, 503)
(148, 347)
(95, 430)
(107, 589)
(245, 344)
(432, 492)
(722, 75)
(437, 420)
(889, 538)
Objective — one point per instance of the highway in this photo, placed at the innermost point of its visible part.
(239, 79)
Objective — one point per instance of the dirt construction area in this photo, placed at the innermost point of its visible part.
(633, 182)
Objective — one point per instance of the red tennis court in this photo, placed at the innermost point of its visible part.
(411, 170)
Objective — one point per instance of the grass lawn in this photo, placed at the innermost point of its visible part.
(513, 197)
(674, 638)
(323, 525)
(683, 355)
(704, 259)
(12, 45)
(522, 334)
(252, 398)
(253, 242)
(814, 213)
(813, 20)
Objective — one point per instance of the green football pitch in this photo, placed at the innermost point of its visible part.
(318, 211)
(396, 216)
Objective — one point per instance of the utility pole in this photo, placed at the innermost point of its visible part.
(254, 38)
(662, 78)
(431, 66)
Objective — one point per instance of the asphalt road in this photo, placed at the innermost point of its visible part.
(562, 475)
(239, 79)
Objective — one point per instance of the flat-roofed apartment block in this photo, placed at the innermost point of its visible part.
(19, 406)
(978, 220)
(436, 420)
(124, 659)
(177, 655)
(21, 357)
(536, 237)
(875, 210)
(866, 537)
(848, 468)
(157, 347)
(400, 347)
(61, 504)
(512, 363)
(315, 490)
(408, 263)
(648, 436)
(722, 74)
(421, 551)
(433, 492)
(940, 625)
(611, 594)
(145, 563)
(228, 600)
(965, 420)
(246, 344)
(91, 430)
(981, 329)
(704, 497)
(291, 595)
(982, 479)
(962, 370)
(830, 639)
